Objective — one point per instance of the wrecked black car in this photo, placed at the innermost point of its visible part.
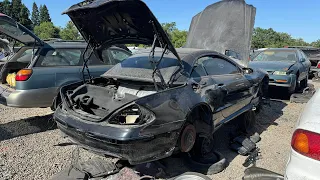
(157, 102)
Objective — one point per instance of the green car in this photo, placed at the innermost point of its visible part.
(33, 76)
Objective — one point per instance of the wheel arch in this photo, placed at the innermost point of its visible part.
(201, 116)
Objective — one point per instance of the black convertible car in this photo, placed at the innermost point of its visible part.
(156, 102)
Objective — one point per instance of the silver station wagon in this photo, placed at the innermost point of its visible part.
(33, 76)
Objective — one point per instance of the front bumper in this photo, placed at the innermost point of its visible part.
(27, 98)
(124, 143)
(282, 80)
(302, 167)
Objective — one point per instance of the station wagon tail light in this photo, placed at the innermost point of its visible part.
(306, 143)
(23, 74)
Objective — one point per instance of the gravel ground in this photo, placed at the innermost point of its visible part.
(28, 138)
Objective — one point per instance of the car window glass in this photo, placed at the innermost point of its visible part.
(218, 66)
(118, 55)
(26, 55)
(271, 55)
(62, 57)
(198, 69)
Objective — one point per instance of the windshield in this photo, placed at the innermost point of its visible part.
(271, 55)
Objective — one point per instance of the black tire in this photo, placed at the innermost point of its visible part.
(204, 144)
(293, 88)
(304, 83)
(246, 121)
(192, 175)
(213, 163)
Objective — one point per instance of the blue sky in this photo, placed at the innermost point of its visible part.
(296, 17)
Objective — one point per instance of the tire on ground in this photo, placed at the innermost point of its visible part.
(246, 121)
(213, 163)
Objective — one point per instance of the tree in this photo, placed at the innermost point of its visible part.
(24, 17)
(177, 37)
(35, 15)
(169, 28)
(44, 15)
(16, 9)
(70, 32)
(46, 30)
(262, 38)
(316, 43)
(6, 7)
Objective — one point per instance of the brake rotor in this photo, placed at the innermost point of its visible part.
(188, 138)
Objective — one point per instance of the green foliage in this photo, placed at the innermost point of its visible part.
(316, 43)
(44, 15)
(70, 32)
(24, 17)
(16, 9)
(177, 37)
(35, 17)
(46, 30)
(6, 7)
(269, 38)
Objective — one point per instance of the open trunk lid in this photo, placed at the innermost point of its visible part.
(16, 31)
(104, 23)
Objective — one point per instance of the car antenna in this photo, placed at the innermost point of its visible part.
(85, 61)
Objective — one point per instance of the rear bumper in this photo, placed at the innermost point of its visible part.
(125, 143)
(274, 80)
(301, 167)
(27, 98)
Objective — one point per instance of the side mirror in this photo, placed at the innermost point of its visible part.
(247, 70)
(303, 60)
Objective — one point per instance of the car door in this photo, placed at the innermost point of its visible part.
(209, 91)
(228, 77)
(306, 64)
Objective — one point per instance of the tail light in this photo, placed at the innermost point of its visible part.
(318, 65)
(306, 143)
(23, 74)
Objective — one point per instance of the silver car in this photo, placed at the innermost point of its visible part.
(34, 75)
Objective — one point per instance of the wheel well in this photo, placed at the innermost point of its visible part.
(201, 117)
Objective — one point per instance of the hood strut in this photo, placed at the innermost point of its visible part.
(151, 58)
(85, 61)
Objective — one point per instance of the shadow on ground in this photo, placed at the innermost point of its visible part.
(175, 165)
(26, 126)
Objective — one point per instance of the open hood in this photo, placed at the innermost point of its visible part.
(16, 31)
(104, 23)
(225, 25)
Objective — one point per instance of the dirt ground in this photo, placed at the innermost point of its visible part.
(28, 139)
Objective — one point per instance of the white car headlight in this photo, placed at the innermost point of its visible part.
(279, 73)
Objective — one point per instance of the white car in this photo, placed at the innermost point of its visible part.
(304, 160)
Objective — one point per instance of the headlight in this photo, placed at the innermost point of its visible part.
(132, 115)
(279, 73)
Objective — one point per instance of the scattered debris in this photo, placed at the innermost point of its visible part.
(304, 97)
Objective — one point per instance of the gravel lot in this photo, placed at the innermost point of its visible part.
(28, 138)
